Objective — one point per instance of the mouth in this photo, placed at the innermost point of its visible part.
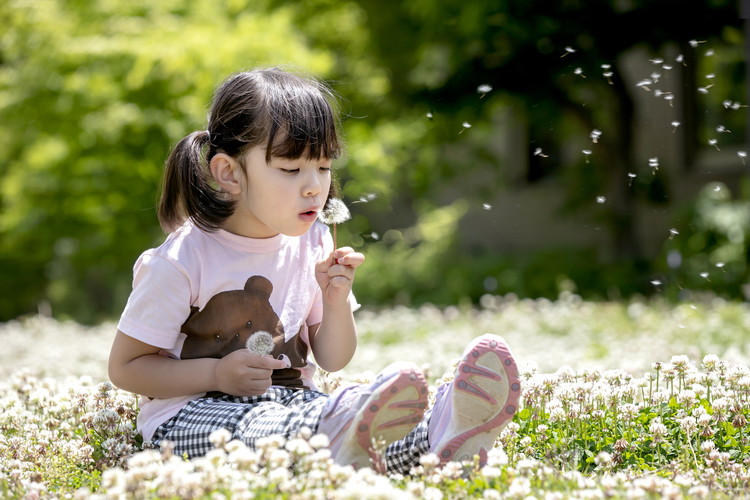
(309, 215)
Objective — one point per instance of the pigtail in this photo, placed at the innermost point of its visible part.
(187, 191)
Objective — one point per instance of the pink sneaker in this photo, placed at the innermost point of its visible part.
(470, 411)
(387, 409)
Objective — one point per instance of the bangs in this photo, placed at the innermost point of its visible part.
(302, 123)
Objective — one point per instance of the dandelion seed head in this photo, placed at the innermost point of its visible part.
(260, 343)
(335, 212)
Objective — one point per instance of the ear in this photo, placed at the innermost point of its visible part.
(226, 171)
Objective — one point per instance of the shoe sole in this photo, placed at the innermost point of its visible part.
(388, 415)
(485, 397)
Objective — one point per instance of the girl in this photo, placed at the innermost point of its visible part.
(245, 254)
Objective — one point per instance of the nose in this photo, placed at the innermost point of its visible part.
(312, 186)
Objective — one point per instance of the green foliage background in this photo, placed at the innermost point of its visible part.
(93, 94)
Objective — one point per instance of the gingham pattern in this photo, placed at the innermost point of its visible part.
(280, 411)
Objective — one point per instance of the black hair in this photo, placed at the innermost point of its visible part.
(289, 114)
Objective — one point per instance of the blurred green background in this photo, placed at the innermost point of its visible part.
(522, 146)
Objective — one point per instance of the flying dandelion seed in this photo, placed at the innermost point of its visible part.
(655, 77)
(539, 152)
(375, 236)
(465, 125)
(484, 89)
(720, 265)
(595, 135)
(631, 176)
(673, 232)
(654, 164)
(669, 98)
(366, 198)
(644, 84)
(586, 154)
(568, 50)
(712, 142)
(486, 206)
(675, 125)
(723, 130)
(709, 52)
(656, 61)
(695, 43)
(601, 199)
(704, 90)
(656, 282)
(717, 189)
(742, 155)
(666, 67)
(729, 104)
(705, 275)
(429, 115)
(710, 76)
(680, 59)
(579, 72)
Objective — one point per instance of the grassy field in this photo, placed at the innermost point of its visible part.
(621, 400)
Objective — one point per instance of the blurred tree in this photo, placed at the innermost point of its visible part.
(92, 95)
(439, 54)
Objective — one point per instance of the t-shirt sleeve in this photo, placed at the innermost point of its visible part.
(159, 303)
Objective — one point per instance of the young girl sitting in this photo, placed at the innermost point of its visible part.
(246, 254)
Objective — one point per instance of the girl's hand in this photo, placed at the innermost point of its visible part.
(335, 275)
(243, 373)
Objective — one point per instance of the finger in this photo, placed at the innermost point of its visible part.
(351, 259)
(342, 271)
(266, 363)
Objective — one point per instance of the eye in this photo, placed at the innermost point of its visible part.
(290, 171)
(249, 324)
(236, 335)
(217, 337)
(325, 169)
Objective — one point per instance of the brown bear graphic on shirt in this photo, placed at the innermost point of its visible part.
(229, 318)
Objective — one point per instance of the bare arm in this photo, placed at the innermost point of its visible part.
(334, 340)
(138, 367)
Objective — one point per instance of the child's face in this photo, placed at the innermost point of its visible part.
(283, 196)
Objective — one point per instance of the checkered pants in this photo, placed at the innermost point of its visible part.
(280, 411)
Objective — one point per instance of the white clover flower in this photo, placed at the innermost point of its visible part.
(319, 441)
(603, 459)
(688, 425)
(219, 438)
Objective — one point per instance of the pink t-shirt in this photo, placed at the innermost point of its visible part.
(220, 288)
